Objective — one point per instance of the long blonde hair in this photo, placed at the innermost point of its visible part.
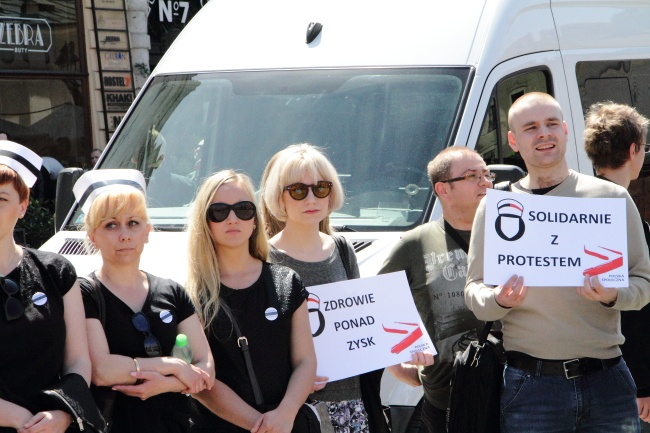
(203, 278)
(287, 167)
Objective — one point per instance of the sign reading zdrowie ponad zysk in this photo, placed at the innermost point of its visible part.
(555, 241)
(364, 324)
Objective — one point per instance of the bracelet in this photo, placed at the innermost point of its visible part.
(137, 365)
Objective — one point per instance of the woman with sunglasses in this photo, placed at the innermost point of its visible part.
(133, 317)
(41, 317)
(300, 189)
(238, 293)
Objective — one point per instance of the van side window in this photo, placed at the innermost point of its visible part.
(493, 139)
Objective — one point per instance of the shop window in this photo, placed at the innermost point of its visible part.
(45, 115)
(39, 36)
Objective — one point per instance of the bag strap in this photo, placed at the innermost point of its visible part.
(98, 297)
(456, 236)
(242, 342)
(342, 247)
(483, 336)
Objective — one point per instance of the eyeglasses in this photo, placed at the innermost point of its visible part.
(646, 147)
(218, 212)
(14, 309)
(299, 191)
(476, 177)
(151, 343)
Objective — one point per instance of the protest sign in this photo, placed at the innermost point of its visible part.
(555, 241)
(365, 324)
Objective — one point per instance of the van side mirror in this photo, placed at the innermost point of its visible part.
(64, 196)
(506, 174)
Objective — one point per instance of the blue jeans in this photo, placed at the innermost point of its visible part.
(601, 402)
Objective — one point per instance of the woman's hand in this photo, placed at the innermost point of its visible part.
(193, 377)
(153, 383)
(320, 382)
(275, 421)
(55, 421)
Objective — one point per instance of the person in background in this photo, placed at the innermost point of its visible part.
(41, 319)
(615, 141)
(564, 370)
(130, 346)
(234, 287)
(94, 156)
(434, 256)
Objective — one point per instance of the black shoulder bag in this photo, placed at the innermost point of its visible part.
(474, 401)
(307, 421)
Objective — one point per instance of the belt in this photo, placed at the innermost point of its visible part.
(570, 368)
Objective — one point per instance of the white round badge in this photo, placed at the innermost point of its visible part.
(166, 316)
(271, 314)
(39, 298)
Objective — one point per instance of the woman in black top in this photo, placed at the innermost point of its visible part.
(143, 313)
(228, 270)
(41, 318)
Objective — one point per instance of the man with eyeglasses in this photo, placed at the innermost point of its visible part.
(564, 370)
(615, 137)
(434, 256)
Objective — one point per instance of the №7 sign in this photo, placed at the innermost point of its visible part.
(365, 324)
(555, 241)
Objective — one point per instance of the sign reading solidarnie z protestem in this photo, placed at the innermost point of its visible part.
(365, 324)
(555, 241)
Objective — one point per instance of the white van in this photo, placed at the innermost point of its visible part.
(383, 86)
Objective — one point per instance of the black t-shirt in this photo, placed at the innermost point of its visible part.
(167, 305)
(263, 312)
(33, 346)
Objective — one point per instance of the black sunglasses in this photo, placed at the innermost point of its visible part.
(299, 191)
(218, 212)
(151, 343)
(14, 309)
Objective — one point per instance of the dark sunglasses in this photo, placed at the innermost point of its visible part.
(14, 309)
(218, 212)
(151, 343)
(299, 191)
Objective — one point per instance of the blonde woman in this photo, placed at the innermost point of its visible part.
(300, 189)
(234, 287)
(130, 346)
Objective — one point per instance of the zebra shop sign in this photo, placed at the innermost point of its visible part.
(25, 35)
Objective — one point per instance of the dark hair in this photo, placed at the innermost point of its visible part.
(610, 129)
(439, 168)
(8, 175)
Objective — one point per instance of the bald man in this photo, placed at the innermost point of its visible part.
(564, 371)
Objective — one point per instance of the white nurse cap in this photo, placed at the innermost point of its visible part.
(95, 182)
(22, 160)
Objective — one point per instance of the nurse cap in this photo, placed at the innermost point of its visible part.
(22, 160)
(510, 207)
(95, 182)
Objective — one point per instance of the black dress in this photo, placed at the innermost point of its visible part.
(263, 312)
(167, 305)
(33, 345)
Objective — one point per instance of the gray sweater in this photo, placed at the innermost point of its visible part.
(329, 270)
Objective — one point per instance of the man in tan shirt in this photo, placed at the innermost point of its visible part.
(565, 372)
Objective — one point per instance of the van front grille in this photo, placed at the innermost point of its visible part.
(77, 247)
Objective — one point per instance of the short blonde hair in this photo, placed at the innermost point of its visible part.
(203, 278)
(287, 167)
(112, 203)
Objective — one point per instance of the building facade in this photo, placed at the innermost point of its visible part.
(70, 69)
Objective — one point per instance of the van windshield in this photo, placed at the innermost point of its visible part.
(379, 127)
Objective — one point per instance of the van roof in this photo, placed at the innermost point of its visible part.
(263, 34)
